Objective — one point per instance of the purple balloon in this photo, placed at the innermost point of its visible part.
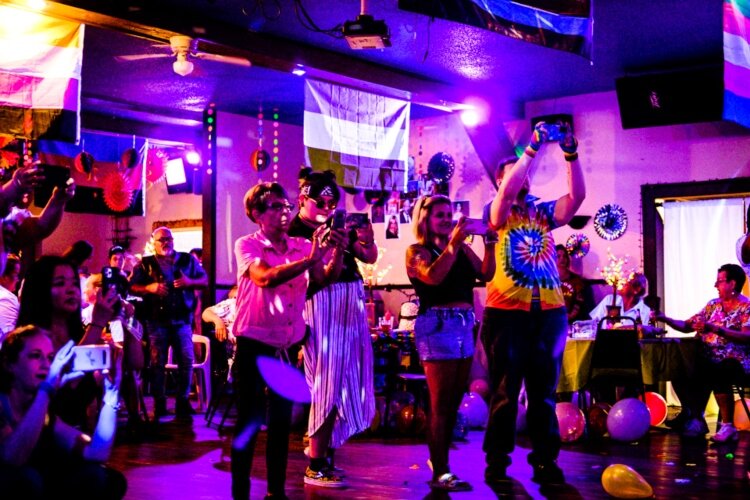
(284, 379)
(628, 420)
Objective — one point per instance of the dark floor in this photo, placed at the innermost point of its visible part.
(191, 461)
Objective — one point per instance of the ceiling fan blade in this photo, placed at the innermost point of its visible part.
(138, 57)
(237, 61)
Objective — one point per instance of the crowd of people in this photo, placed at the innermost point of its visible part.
(299, 300)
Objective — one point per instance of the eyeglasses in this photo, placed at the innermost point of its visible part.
(719, 281)
(165, 239)
(321, 204)
(280, 206)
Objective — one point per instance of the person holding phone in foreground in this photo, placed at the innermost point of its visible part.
(338, 353)
(525, 323)
(444, 270)
(40, 455)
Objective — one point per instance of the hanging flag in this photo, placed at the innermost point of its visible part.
(737, 61)
(40, 76)
(362, 137)
(108, 178)
(558, 24)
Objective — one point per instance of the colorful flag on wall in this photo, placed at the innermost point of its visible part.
(40, 76)
(362, 137)
(559, 24)
(737, 61)
(107, 169)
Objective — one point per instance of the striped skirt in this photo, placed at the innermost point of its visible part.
(339, 361)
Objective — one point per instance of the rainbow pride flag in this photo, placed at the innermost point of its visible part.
(737, 61)
(362, 137)
(40, 76)
(558, 24)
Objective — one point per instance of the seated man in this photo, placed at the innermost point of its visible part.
(629, 300)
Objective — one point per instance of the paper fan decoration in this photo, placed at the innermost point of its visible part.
(441, 167)
(610, 221)
(578, 245)
(117, 193)
(156, 164)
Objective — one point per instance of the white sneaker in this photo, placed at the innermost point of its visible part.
(727, 432)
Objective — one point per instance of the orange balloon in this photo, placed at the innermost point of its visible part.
(621, 481)
(740, 415)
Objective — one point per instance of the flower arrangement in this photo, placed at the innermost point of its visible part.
(614, 273)
(370, 273)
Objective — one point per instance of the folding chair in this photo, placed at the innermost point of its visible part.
(616, 358)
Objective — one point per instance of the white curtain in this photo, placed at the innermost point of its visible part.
(699, 237)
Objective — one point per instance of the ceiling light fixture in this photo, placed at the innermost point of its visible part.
(182, 66)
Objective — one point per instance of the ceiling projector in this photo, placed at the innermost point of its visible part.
(366, 33)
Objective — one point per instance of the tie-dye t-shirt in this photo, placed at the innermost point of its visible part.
(525, 256)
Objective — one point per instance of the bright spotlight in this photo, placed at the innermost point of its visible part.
(470, 117)
(193, 158)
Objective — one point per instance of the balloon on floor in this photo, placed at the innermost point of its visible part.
(621, 481)
(628, 420)
(410, 421)
(475, 409)
(481, 387)
(572, 421)
(740, 415)
(598, 414)
(657, 406)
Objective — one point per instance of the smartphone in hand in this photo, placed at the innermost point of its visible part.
(91, 357)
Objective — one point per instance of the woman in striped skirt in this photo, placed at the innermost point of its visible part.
(338, 352)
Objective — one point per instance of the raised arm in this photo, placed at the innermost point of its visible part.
(568, 204)
(34, 229)
(514, 178)
(17, 445)
(419, 263)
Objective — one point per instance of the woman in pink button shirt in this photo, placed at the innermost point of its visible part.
(273, 270)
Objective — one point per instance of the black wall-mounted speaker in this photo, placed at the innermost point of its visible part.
(670, 98)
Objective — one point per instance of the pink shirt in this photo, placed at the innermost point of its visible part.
(272, 315)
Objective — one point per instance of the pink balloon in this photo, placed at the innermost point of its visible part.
(628, 420)
(572, 422)
(657, 406)
(481, 387)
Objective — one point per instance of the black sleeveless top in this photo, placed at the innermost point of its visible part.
(349, 270)
(456, 287)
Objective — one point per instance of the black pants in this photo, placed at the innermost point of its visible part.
(523, 346)
(254, 408)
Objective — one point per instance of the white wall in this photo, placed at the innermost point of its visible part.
(617, 162)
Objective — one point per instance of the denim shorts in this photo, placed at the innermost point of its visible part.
(443, 333)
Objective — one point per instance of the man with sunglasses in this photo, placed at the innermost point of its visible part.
(166, 281)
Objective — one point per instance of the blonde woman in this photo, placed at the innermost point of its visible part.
(444, 269)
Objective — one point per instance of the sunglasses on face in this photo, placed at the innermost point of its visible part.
(280, 206)
(165, 239)
(321, 204)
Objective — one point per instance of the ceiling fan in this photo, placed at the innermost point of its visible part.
(183, 49)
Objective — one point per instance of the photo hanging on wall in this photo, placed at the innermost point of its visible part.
(392, 228)
(378, 213)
